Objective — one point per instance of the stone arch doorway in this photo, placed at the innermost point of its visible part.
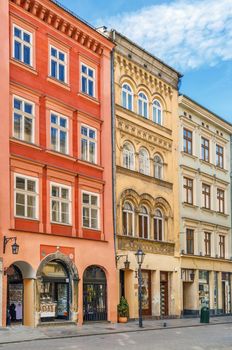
(20, 293)
(94, 294)
(57, 283)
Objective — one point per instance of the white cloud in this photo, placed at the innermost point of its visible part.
(186, 34)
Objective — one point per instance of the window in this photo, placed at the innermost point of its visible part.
(58, 64)
(158, 167)
(221, 200)
(23, 119)
(88, 144)
(128, 156)
(158, 226)
(188, 141)
(222, 246)
(188, 190)
(128, 219)
(87, 80)
(90, 211)
(127, 97)
(143, 105)
(205, 149)
(206, 196)
(157, 112)
(219, 156)
(207, 243)
(22, 49)
(143, 223)
(61, 204)
(144, 162)
(26, 197)
(59, 133)
(189, 241)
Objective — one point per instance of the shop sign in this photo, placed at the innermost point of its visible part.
(48, 310)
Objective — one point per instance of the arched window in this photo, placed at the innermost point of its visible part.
(158, 226)
(128, 156)
(158, 167)
(143, 105)
(157, 113)
(143, 223)
(128, 219)
(127, 97)
(144, 163)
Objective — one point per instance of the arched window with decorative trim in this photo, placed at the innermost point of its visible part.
(157, 112)
(143, 105)
(128, 219)
(144, 162)
(127, 97)
(128, 156)
(158, 167)
(158, 226)
(143, 223)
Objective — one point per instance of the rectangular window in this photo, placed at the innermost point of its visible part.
(188, 141)
(59, 133)
(188, 190)
(219, 156)
(207, 243)
(90, 210)
(87, 80)
(22, 45)
(189, 241)
(58, 64)
(206, 196)
(88, 144)
(26, 197)
(205, 149)
(221, 200)
(23, 119)
(222, 246)
(61, 204)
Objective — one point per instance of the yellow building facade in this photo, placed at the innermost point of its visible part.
(146, 146)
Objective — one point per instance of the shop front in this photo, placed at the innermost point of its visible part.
(226, 293)
(204, 297)
(14, 295)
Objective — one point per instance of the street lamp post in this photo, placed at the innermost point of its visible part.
(140, 257)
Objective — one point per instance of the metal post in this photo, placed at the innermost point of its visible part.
(140, 296)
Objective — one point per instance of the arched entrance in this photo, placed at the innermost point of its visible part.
(14, 294)
(94, 294)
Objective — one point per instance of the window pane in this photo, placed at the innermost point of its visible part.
(65, 213)
(53, 52)
(17, 126)
(84, 84)
(17, 51)
(94, 218)
(28, 108)
(91, 134)
(61, 56)
(31, 185)
(55, 191)
(54, 139)
(94, 200)
(31, 206)
(130, 224)
(20, 198)
(54, 119)
(64, 193)
(63, 142)
(124, 99)
(61, 73)
(63, 122)
(84, 149)
(91, 88)
(90, 73)
(92, 152)
(84, 69)
(26, 53)
(86, 222)
(55, 211)
(85, 198)
(130, 102)
(84, 131)
(53, 69)
(20, 183)
(17, 32)
(17, 104)
(28, 129)
(26, 37)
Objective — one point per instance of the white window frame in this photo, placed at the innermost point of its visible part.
(160, 167)
(133, 218)
(60, 200)
(22, 42)
(88, 78)
(144, 162)
(148, 222)
(58, 61)
(98, 207)
(127, 92)
(156, 108)
(160, 219)
(36, 194)
(24, 114)
(88, 139)
(142, 98)
(130, 155)
(59, 128)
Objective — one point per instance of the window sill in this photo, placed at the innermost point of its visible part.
(222, 214)
(24, 66)
(91, 229)
(60, 224)
(185, 204)
(207, 163)
(25, 143)
(88, 97)
(59, 154)
(24, 218)
(221, 169)
(208, 210)
(188, 155)
(85, 162)
(59, 83)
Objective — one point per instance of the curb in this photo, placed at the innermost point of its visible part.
(112, 332)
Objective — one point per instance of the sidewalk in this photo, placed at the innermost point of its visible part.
(17, 334)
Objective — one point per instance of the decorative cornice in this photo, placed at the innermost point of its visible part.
(64, 25)
(143, 134)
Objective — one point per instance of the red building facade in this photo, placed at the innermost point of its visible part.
(56, 171)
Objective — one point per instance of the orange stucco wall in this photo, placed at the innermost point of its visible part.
(90, 247)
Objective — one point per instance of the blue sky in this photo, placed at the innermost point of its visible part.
(193, 36)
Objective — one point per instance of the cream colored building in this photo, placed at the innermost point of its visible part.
(146, 146)
(205, 209)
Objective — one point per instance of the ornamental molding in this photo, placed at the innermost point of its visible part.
(65, 25)
(143, 134)
(136, 72)
(153, 247)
